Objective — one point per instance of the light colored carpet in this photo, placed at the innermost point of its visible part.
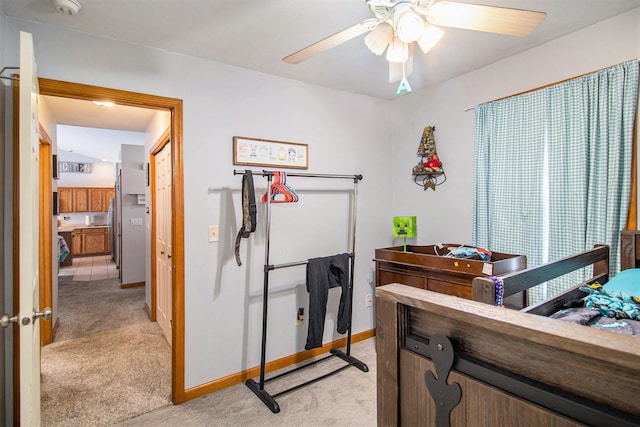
(347, 398)
(108, 361)
(121, 376)
(87, 308)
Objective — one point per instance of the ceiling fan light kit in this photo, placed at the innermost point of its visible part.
(379, 38)
(429, 37)
(409, 26)
(399, 23)
(67, 7)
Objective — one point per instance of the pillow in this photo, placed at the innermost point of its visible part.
(627, 281)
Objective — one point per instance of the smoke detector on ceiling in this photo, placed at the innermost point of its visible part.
(67, 7)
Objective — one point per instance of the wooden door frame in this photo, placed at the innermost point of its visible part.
(174, 106)
(155, 149)
(45, 222)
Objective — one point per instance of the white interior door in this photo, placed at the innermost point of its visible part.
(28, 237)
(163, 239)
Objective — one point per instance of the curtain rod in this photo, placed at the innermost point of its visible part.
(308, 175)
(548, 85)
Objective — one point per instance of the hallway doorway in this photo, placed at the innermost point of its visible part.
(174, 107)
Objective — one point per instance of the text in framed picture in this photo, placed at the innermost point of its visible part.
(267, 152)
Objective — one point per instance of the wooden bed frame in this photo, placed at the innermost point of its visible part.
(491, 366)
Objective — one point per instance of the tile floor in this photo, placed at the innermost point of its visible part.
(86, 269)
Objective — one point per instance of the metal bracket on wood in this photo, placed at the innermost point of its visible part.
(445, 396)
(8, 77)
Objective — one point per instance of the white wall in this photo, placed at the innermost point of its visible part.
(103, 174)
(447, 213)
(346, 133)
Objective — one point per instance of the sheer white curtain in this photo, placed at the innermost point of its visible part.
(553, 170)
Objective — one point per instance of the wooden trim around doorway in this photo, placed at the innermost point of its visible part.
(16, 249)
(46, 229)
(174, 106)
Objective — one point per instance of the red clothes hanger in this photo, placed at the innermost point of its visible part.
(280, 191)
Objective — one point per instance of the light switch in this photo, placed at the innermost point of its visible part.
(213, 233)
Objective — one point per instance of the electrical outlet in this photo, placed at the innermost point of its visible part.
(368, 300)
(213, 233)
(299, 316)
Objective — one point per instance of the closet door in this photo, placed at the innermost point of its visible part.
(164, 260)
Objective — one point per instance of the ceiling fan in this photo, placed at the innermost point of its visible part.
(399, 23)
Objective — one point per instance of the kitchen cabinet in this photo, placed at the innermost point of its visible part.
(80, 199)
(108, 194)
(85, 199)
(91, 241)
(65, 195)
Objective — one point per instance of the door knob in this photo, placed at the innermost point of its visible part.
(44, 314)
(5, 320)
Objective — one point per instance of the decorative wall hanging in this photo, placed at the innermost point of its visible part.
(429, 168)
(266, 152)
(74, 167)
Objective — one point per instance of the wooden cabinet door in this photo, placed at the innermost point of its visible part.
(66, 199)
(80, 199)
(96, 199)
(76, 242)
(94, 240)
(109, 193)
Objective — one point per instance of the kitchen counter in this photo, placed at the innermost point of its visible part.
(71, 227)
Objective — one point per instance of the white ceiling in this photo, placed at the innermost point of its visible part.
(258, 34)
(85, 124)
(74, 112)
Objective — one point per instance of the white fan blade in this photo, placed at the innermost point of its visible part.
(395, 68)
(492, 19)
(331, 41)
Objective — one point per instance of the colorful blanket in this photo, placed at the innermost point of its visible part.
(606, 309)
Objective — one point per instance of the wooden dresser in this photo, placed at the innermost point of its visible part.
(422, 267)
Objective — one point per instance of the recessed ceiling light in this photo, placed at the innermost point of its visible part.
(104, 103)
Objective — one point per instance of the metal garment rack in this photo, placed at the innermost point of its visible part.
(258, 386)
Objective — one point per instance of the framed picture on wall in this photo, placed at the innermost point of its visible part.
(267, 152)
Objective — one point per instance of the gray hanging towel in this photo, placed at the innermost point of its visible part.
(323, 274)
